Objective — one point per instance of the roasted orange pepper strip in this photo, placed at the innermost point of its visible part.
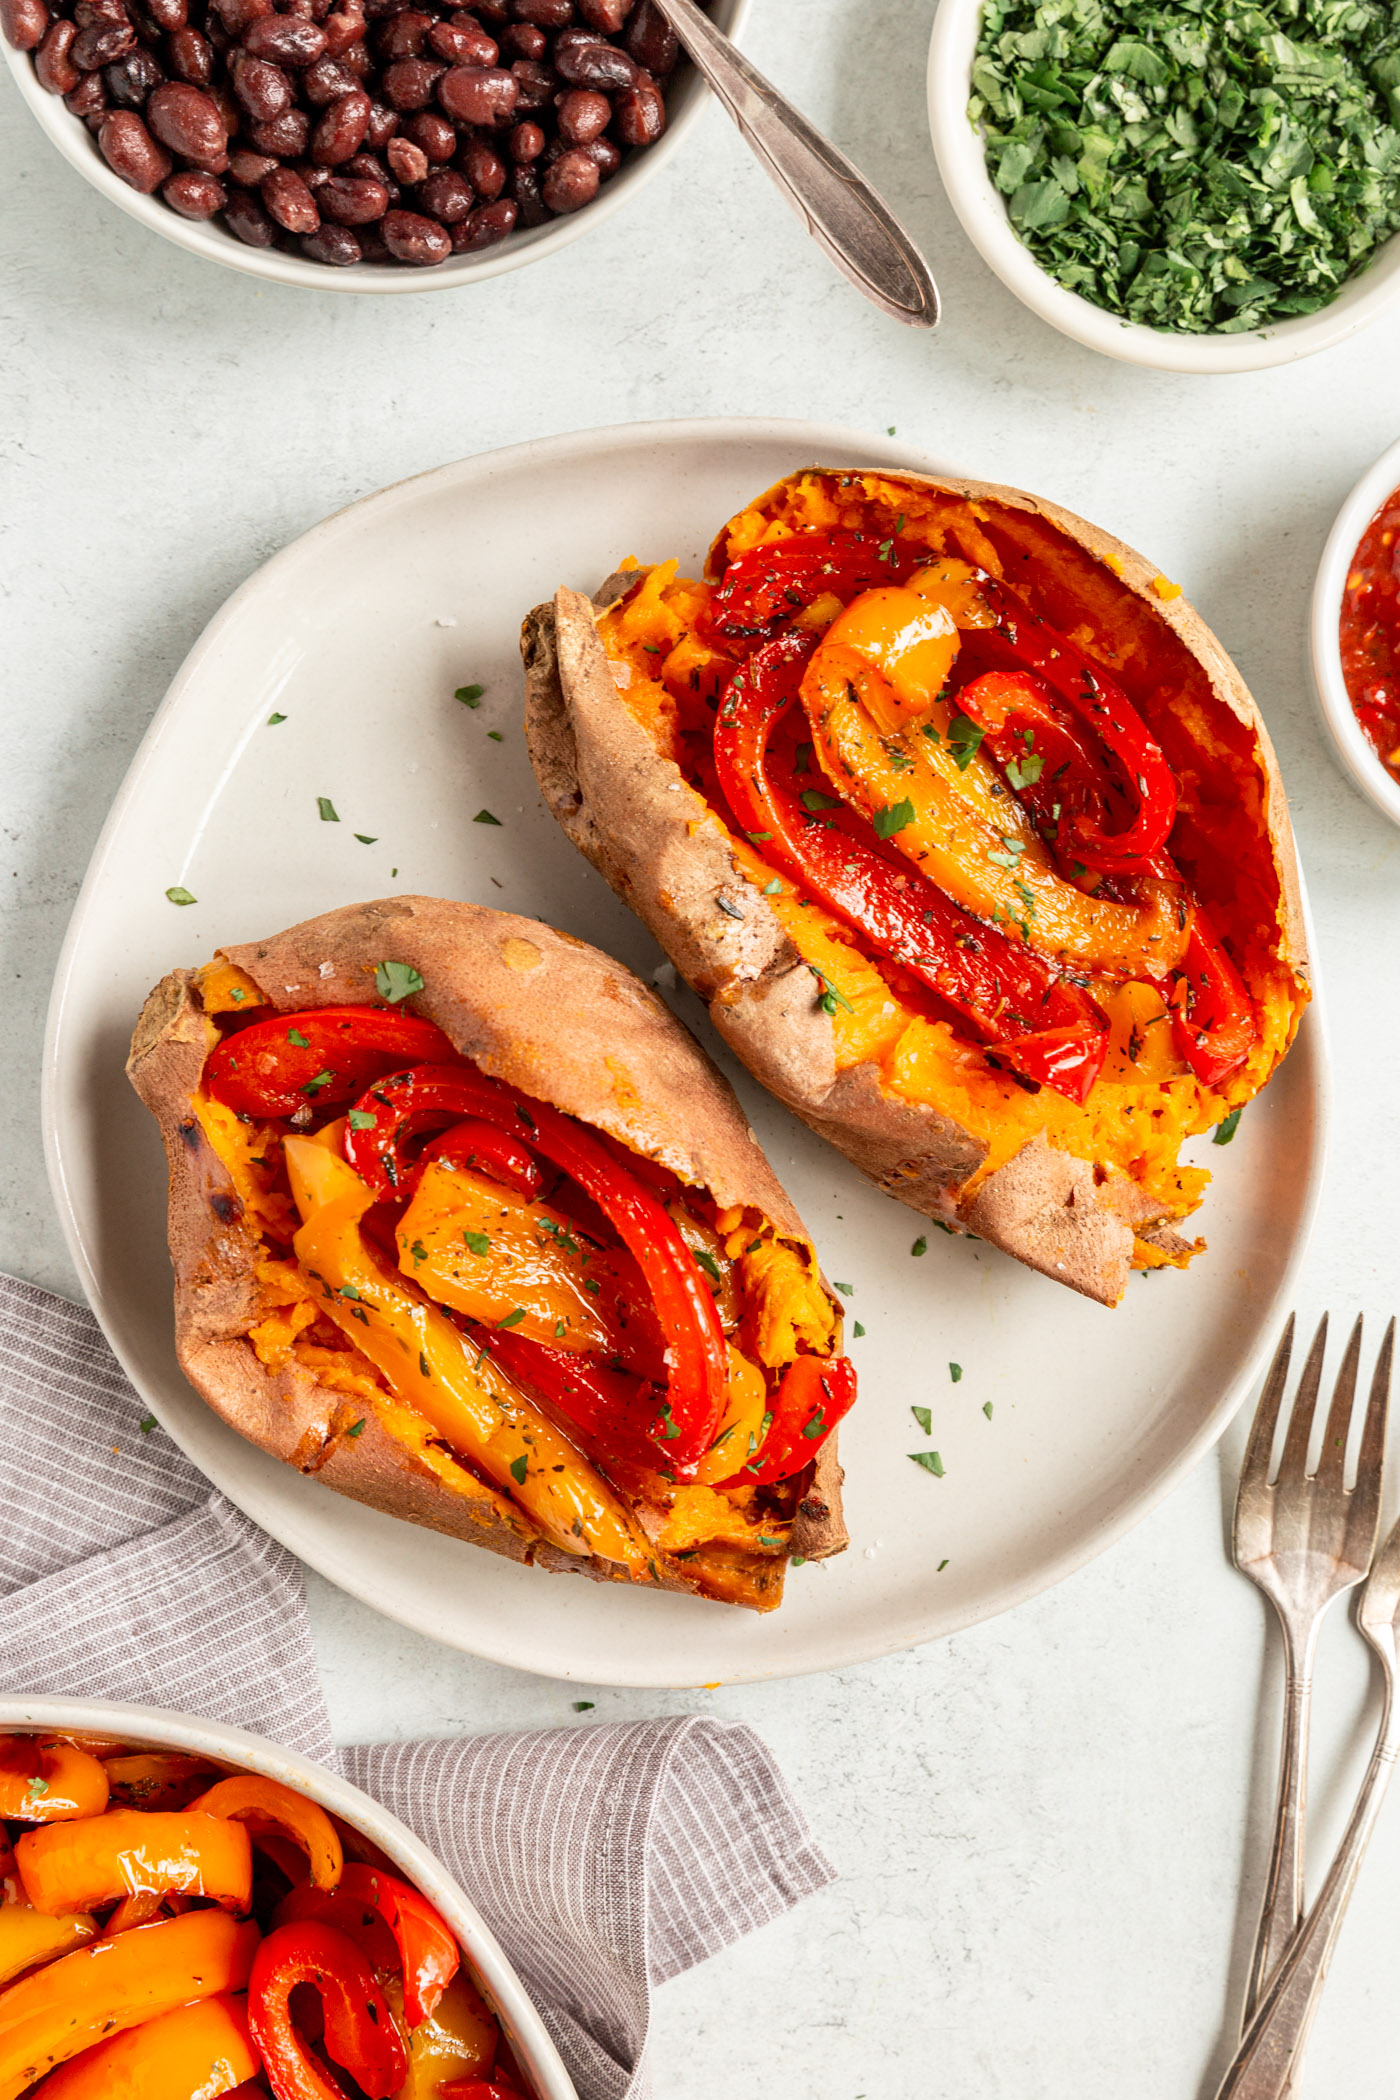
(196, 2052)
(27, 1937)
(248, 1797)
(49, 1782)
(80, 1866)
(58, 2011)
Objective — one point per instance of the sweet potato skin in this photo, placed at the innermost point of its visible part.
(498, 985)
(629, 810)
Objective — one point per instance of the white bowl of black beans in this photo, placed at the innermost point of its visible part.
(959, 148)
(360, 145)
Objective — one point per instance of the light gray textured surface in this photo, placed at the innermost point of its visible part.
(1041, 1823)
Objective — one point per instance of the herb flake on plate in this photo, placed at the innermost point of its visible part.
(1192, 166)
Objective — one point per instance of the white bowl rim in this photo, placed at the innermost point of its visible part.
(963, 167)
(1354, 747)
(221, 1740)
(210, 241)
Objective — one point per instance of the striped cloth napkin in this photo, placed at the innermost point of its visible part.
(605, 1858)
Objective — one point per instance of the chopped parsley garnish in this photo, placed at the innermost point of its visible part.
(941, 1566)
(419, 1253)
(758, 837)
(798, 1560)
(1226, 1130)
(955, 1372)
(1024, 772)
(857, 1330)
(495, 736)
(560, 1330)
(817, 1426)
(1191, 166)
(362, 1119)
(893, 818)
(365, 840)
(327, 809)
(929, 1460)
(36, 1787)
(273, 720)
(708, 1263)
(395, 980)
(584, 1706)
(324, 1077)
(964, 737)
(924, 1417)
(519, 1467)
(179, 896)
(356, 1428)
(669, 1428)
(813, 800)
(773, 888)
(987, 1409)
(348, 1290)
(146, 1424)
(484, 816)
(301, 1043)
(512, 1319)
(845, 1288)
(469, 695)
(920, 1245)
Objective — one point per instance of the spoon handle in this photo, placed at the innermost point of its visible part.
(834, 201)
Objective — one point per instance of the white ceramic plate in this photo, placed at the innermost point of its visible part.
(152, 1725)
(685, 99)
(358, 634)
(1355, 749)
(975, 198)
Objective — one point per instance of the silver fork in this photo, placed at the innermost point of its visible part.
(1269, 2055)
(1304, 1539)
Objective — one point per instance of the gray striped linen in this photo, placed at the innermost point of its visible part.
(605, 1858)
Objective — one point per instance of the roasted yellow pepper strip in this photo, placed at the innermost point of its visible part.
(28, 1938)
(473, 1245)
(431, 1367)
(976, 845)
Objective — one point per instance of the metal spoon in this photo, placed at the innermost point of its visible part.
(834, 201)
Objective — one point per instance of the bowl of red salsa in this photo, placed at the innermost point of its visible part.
(1356, 634)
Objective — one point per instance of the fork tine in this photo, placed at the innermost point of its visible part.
(1293, 1465)
(1331, 1461)
(1260, 1449)
(1370, 1462)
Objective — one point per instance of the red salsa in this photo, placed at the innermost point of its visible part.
(1370, 632)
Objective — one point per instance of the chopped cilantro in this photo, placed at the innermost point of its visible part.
(858, 1331)
(519, 1467)
(327, 809)
(987, 1409)
(37, 1787)
(419, 1253)
(584, 1706)
(893, 818)
(1024, 773)
(356, 1428)
(708, 1263)
(273, 720)
(758, 836)
(845, 1288)
(920, 1245)
(478, 1242)
(560, 1330)
(300, 1040)
(495, 736)
(773, 888)
(964, 737)
(1226, 1130)
(348, 1290)
(362, 1119)
(813, 800)
(798, 1560)
(512, 1319)
(365, 840)
(1191, 166)
(147, 1424)
(469, 695)
(395, 980)
(924, 1417)
(325, 1077)
(955, 1372)
(929, 1460)
(484, 816)
(941, 1566)
(179, 896)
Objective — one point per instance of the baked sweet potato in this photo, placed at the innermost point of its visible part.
(901, 703)
(466, 1226)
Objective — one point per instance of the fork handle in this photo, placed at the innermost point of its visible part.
(1263, 2065)
(832, 198)
(1283, 1889)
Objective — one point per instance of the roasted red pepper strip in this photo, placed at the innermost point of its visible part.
(361, 2034)
(1045, 1027)
(763, 590)
(813, 1395)
(323, 1056)
(611, 1412)
(699, 1363)
(1212, 1013)
(1021, 641)
(428, 1952)
(482, 1149)
(478, 2089)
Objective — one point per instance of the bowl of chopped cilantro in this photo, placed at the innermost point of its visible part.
(1196, 185)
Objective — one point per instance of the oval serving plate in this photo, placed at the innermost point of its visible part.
(357, 636)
